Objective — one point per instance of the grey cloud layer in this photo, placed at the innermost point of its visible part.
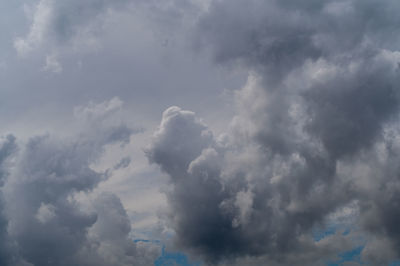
(316, 131)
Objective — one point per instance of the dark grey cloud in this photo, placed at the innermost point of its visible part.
(316, 131)
(349, 109)
(223, 210)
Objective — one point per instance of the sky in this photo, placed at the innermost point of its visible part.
(199, 132)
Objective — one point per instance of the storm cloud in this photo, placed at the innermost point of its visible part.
(316, 130)
(300, 100)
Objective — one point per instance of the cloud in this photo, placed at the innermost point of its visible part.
(75, 24)
(50, 213)
(219, 213)
(8, 254)
(180, 139)
(316, 130)
(52, 64)
(39, 29)
(59, 22)
(125, 162)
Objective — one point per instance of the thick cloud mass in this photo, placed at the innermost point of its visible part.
(314, 140)
(316, 131)
(50, 215)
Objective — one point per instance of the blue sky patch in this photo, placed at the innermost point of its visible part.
(169, 258)
(353, 255)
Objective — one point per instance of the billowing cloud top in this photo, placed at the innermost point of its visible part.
(316, 131)
(50, 215)
(312, 138)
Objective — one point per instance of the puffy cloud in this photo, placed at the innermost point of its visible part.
(50, 214)
(316, 130)
(224, 212)
(180, 138)
(110, 242)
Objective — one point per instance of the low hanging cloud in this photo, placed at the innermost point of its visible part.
(316, 131)
(50, 213)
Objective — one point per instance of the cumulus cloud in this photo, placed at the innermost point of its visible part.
(224, 211)
(50, 213)
(316, 131)
(179, 140)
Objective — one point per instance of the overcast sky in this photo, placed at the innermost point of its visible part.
(240, 132)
